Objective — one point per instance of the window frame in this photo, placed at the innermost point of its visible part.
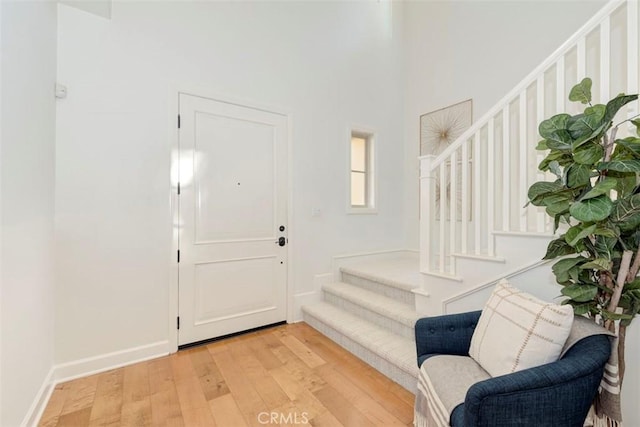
(370, 206)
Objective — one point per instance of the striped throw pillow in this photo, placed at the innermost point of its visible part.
(518, 331)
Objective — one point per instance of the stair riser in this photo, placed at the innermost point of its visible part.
(371, 316)
(382, 289)
(393, 372)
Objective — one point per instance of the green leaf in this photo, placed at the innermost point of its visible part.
(577, 233)
(625, 166)
(592, 210)
(578, 175)
(632, 145)
(627, 185)
(549, 199)
(606, 232)
(581, 309)
(626, 212)
(584, 127)
(633, 285)
(605, 246)
(560, 140)
(581, 92)
(553, 124)
(562, 268)
(636, 123)
(616, 103)
(543, 187)
(588, 154)
(555, 169)
(599, 264)
(608, 315)
(557, 208)
(602, 187)
(558, 247)
(580, 293)
(542, 145)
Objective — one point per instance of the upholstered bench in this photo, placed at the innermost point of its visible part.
(455, 390)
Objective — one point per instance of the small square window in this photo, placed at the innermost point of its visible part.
(361, 196)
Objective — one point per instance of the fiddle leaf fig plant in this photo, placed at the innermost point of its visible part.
(596, 193)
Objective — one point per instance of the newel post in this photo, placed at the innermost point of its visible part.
(427, 196)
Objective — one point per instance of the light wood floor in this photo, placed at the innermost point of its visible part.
(290, 375)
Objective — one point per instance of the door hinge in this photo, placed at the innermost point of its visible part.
(178, 322)
(178, 255)
(178, 189)
(178, 121)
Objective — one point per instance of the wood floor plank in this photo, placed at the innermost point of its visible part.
(211, 380)
(193, 404)
(165, 406)
(226, 412)
(136, 396)
(341, 408)
(80, 394)
(358, 398)
(267, 387)
(54, 407)
(263, 353)
(75, 418)
(302, 351)
(360, 373)
(107, 405)
(251, 403)
(236, 382)
(326, 419)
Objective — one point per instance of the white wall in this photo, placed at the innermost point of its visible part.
(328, 64)
(27, 186)
(456, 50)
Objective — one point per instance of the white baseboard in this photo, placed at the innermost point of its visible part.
(40, 402)
(94, 365)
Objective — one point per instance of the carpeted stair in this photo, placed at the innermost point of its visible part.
(371, 313)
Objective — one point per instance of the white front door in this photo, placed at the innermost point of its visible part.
(233, 217)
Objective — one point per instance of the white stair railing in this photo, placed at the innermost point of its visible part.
(478, 185)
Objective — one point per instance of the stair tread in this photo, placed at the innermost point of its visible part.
(402, 272)
(388, 307)
(398, 350)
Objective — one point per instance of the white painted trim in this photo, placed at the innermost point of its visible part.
(372, 175)
(491, 282)
(480, 257)
(443, 276)
(291, 241)
(524, 234)
(93, 365)
(174, 206)
(421, 292)
(304, 298)
(32, 418)
(203, 91)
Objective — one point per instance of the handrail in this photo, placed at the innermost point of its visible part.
(583, 31)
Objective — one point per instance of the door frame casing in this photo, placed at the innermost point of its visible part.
(174, 148)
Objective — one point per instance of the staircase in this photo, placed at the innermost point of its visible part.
(371, 312)
(480, 231)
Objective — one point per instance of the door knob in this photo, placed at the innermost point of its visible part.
(282, 241)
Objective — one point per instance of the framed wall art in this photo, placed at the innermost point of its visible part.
(438, 130)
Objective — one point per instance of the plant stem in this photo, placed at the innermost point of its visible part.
(635, 267)
(609, 143)
(620, 280)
